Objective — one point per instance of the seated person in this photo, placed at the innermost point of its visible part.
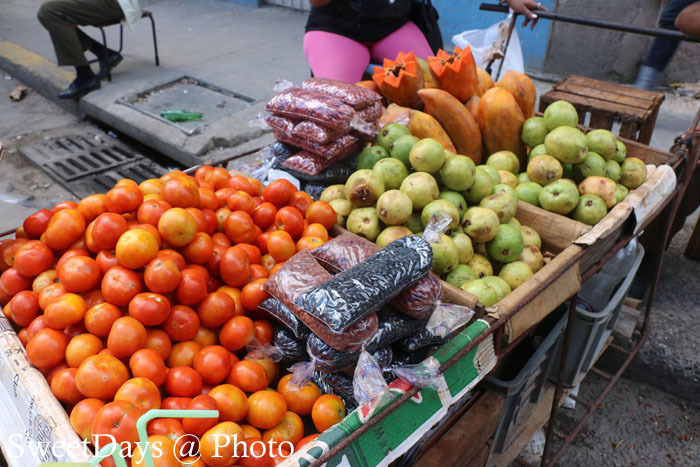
(342, 36)
(61, 17)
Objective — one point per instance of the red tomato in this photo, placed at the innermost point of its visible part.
(290, 220)
(239, 182)
(218, 177)
(117, 419)
(23, 307)
(161, 275)
(82, 417)
(65, 310)
(65, 205)
(64, 388)
(301, 201)
(258, 271)
(182, 323)
(213, 362)
(100, 318)
(192, 287)
(147, 363)
(252, 251)
(125, 198)
(79, 274)
(233, 403)
(126, 337)
(200, 249)
(120, 285)
(100, 376)
(216, 309)
(266, 409)
(50, 293)
(177, 227)
(264, 215)
(263, 331)
(281, 245)
(322, 213)
(241, 201)
(181, 192)
(233, 267)
(256, 453)
(47, 348)
(249, 376)
(151, 210)
(279, 192)
(65, 227)
(159, 341)
(183, 381)
(208, 199)
(256, 186)
(252, 294)
(106, 259)
(240, 228)
(237, 333)
(151, 309)
(141, 392)
(81, 347)
(198, 426)
(199, 218)
(107, 229)
(175, 256)
(35, 224)
(215, 259)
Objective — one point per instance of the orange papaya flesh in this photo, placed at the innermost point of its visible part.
(455, 72)
(399, 80)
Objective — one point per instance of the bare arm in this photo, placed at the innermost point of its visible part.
(688, 21)
(318, 2)
(525, 7)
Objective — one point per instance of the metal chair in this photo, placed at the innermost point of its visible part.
(144, 14)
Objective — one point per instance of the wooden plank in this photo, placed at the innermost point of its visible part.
(632, 302)
(604, 122)
(605, 86)
(537, 419)
(597, 93)
(626, 322)
(629, 129)
(692, 249)
(590, 104)
(466, 438)
(480, 458)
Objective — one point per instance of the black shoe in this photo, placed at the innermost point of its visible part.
(77, 89)
(112, 61)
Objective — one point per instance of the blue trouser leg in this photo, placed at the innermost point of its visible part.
(662, 49)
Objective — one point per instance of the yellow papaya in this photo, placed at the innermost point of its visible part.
(484, 81)
(456, 120)
(501, 122)
(429, 81)
(472, 106)
(522, 88)
(423, 125)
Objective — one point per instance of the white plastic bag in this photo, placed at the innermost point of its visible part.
(481, 40)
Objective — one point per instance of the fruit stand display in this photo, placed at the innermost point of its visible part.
(386, 216)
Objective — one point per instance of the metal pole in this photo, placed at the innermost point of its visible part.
(647, 31)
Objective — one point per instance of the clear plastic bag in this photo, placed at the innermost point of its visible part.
(447, 318)
(258, 350)
(353, 294)
(317, 133)
(419, 339)
(393, 326)
(328, 359)
(292, 349)
(347, 250)
(424, 375)
(301, 273)
(334, 174)
(371, 113)
(339, 384)
(335, 150)
(369, 387)
(307, 163)
(314, 189)
(351, 94)
(266, 160)
(437, 225)
(309, 105)
(285, 316)
(280, 124)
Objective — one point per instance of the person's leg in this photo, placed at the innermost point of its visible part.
(405, 39)
(688, 20)
(334, 56)
(662, 49)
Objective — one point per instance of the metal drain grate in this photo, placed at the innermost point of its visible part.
(91, 162)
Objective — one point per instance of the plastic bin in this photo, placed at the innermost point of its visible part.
(521, 375)
(605, 291)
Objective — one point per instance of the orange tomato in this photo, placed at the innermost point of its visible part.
(281, 245)
(83, 416)
(316, 230)
(216, 309)
(232, 401)
(117, 419)
(279, 192)
(291, 220)
(100, 376)
(79, 274)
(268, 262)
(309, 243)
(126, 337)
(266, 409)
(158, 340)
(322, 213)
(99, 318)
(43, 280)
(249, 431)
(183, 381)
(198, 426)
(177, 227)
(213, 362)
(254, 453)
(106, 230)
(239, 182)
(200, 249)
(65, 310)
(240, 201)
(181, 192)
(249, 376)
(206, 336)
(216, 453)
(65, 227)
(147, 363)
(135, 248)
(328, 410)
(305, 440)
(142, 392)
(218, 177)
(161, 275)
(163, 453)
(237, 332)
(120, 285)
(253, 294)
(33, 258)
(81, 347)
(299, 400)
(64, 388)
(290, 429)
(258, 271)
(151, 309)
(239, 227)
(182, 353)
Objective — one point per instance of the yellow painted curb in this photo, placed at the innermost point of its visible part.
(35, 64)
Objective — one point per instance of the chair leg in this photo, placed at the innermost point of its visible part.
(155, 39)
(105, 53)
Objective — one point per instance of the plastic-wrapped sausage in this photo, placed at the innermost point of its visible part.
(280, 124)
(286, 317)
(292, 349)
(347, 250)
(351, 94)
(336, 150)
(308, 105)
(319, 134)
(301, 273)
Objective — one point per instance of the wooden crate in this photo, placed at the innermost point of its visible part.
(607, 103)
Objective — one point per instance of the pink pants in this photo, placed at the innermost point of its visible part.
(338, 57)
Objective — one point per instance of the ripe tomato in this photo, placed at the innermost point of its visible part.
(23, 308)
(192, 288)
(117, 419)
(161, 275)
(290, 220)
(107, 259)
(151, 186)
(215, 259)
(147, 363)
(309, 243)
(216, 309)
(213, 362)
(35, 224)
(270, 367)
(151, 210)
(328, 410)
(175, 403)
(237, 332)
(151, 309)
(202, 173)
(100, 376)
(235, 294)
(208, 200)
(79, 274)
(218, 177)
(316, 230)
(126, 337)
(206, 336)
(305, 440)
(125, 198)
(33, 258)
(65, 310)
(168, 427)
(322, 213)
(301, 201)
(264, 215)
(232, 401)
(100, 318)
(106, 230)
(252, 294)
(141, 392)
(221, 216)
(181, 192)
(182, 353)
(65, 227)
(240, 201)
(43, 280)
(175, 256)
(263, 331)
(281, 245)
(199, 218)
(181, 324)
(49, 294)
(299, 400)
(249, 431)
(239, 227)
(266, 409)
(279, 192)
(248, 375)
(183, 381)
(159, 341)
(81, 347)
(239, 182)
(198, 426)
(120, 285)
(93, 297)
(268, 262)
(177, 227)
(83, 416)
(258, 271)
(233, 267)
(136, 248)
(290, 429)
(9, 248)
(65, 205)
(211, 220)
(213, 452)
(64, 388)
(163, 453)
(200, 249)
(251, 251)
(92, 206)
(256, 454)
(256, 186)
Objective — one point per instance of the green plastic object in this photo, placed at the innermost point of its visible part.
(180, 115)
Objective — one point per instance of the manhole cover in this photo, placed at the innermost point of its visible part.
(90, 162)
(186, 93)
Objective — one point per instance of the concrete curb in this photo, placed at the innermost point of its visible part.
(38, 73)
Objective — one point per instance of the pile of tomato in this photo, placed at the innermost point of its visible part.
(147, 297)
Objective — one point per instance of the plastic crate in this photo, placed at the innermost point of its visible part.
(521, 375)
(605, 291)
